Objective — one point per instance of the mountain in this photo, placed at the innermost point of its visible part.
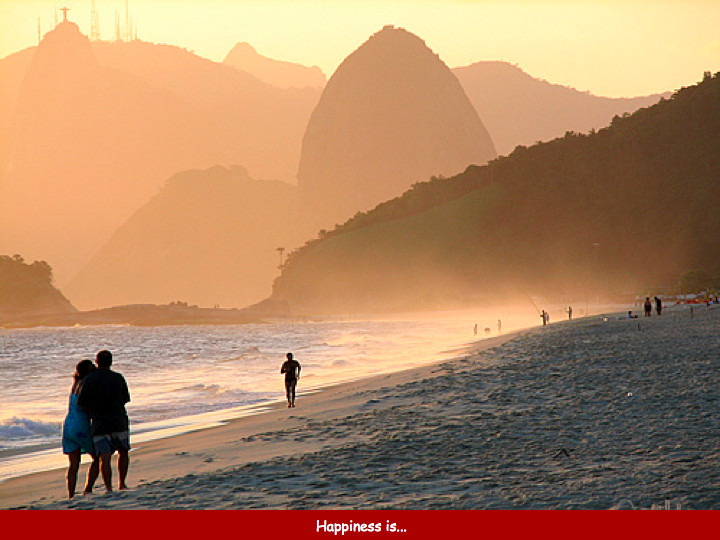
(518, 109)
(274, 72)
(84, 146)
(208, 237)
(12, 73)
(254, 124)
(624, 210)
(27, 289)
(96, 128)
(391, 114)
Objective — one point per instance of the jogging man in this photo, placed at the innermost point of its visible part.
(291, 369)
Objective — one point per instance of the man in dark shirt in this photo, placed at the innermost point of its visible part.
(291, 369)
(103, 395)
(658, 306)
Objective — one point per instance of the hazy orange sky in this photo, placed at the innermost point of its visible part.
(608, 47)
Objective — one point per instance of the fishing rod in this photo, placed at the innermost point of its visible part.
(533, 303)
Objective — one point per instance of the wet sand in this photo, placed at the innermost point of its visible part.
(588, 414)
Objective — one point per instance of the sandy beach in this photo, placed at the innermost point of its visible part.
(596, 413)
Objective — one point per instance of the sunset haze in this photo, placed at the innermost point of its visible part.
(612, 48)
(486, 232)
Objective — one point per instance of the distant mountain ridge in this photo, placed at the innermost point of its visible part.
(391, 114)
(84, 158)
(606, 215)
(97, 127)
(244, 57)
(211, 236)
(208, 237)
(519, 109)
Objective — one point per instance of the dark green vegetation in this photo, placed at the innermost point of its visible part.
(630, 207)
(28, 288)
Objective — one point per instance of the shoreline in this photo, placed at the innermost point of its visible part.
(135, 315)
(182, 314)
(596, 413)
(21, 459)
(148, 458)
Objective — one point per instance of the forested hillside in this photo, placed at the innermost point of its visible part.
(28, 288)
(630, 207)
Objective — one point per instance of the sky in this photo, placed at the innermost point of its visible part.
(615, 48)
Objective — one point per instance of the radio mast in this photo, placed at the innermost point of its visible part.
(94, 23)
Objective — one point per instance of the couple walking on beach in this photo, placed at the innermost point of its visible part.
(97, 423)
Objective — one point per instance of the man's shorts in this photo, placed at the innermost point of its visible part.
(108, 443)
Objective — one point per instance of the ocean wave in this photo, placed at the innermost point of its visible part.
(339, 363)
(200, 405)
(25, 428)
(212, 389)
(354, 341)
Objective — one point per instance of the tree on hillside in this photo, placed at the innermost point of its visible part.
(28, 287)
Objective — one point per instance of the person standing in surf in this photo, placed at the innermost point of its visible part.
(291, 368)
(648, 307)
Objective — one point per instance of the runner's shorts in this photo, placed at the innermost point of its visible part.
(110, 442)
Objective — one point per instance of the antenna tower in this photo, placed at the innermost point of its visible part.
(126, 31)
(94, 23)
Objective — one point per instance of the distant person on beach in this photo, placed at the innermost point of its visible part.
(658, 306)
(630, 315)
(499, 326)
(76, 437)
(104, 394)
(291, 368)
(543, 315)
(569, 312)
(648, 307)
(475, 330)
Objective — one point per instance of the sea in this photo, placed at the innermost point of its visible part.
(185, 378)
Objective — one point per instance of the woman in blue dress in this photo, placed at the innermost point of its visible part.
(76, 436)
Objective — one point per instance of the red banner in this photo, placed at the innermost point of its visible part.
(370, 524)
